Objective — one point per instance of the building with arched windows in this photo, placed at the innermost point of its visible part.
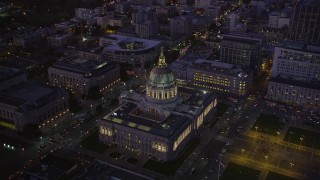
(160, 122)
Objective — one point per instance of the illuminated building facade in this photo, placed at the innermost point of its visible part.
(294, 93)
(161, 122)
(32, 104)
(213, 76)
(297, 61)
(296, 75)
(79, 74)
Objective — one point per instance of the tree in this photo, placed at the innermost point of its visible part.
(94, 92)
(31, 131)
(99, 108)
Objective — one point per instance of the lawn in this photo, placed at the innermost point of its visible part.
(221, 109)
(132, 161)
(169, 168)
(212, 122)
(309, 138)
(115, 155)
(272, 175)
(268, 124)
(238, 172)
(92, 143)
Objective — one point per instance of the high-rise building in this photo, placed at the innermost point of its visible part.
(305, 23)
(242, 49)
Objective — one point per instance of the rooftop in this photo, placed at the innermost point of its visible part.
(123, 115)
(210, 66)
(177, 116)
(245, 38)
(59, 36)
(21, 63)
(27, 93)
(8, 73)
(120, 43)
(301, 46)
(312, 85)
(84, 66)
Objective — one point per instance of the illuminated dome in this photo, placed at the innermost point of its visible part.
(161, 86)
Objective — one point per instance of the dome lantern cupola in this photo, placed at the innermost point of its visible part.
(161, 86)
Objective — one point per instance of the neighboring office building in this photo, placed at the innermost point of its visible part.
(242, 49)
(161, 122)
(129, 50)
(97, 16)
(59, 40)
(305, 24)
(10, 77)
(65, 26)
(89, 52)
(296, 93)
(213, 76)
(278, 20)
(180, 25)
(26, 38)
(274, 35)
(32, 104)
(79, 74)
(296, 75)
(297, 61)
(146, 30)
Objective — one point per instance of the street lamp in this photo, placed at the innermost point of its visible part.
(291, 164)
(301, 139)
(242, 151)
(278, 133)
(256, 128)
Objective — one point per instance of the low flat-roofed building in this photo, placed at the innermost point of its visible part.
(160, 122)
(10, 77)
(28, 37)
(32, 104)
(296, 93)
(65, 26)
(50, 167)
(79, 74)
(59, 40)
(213, 76)
(129, 50)
(90, 52)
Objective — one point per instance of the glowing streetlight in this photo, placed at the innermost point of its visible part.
(242, 151)
(291, 164)
(301, 139)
